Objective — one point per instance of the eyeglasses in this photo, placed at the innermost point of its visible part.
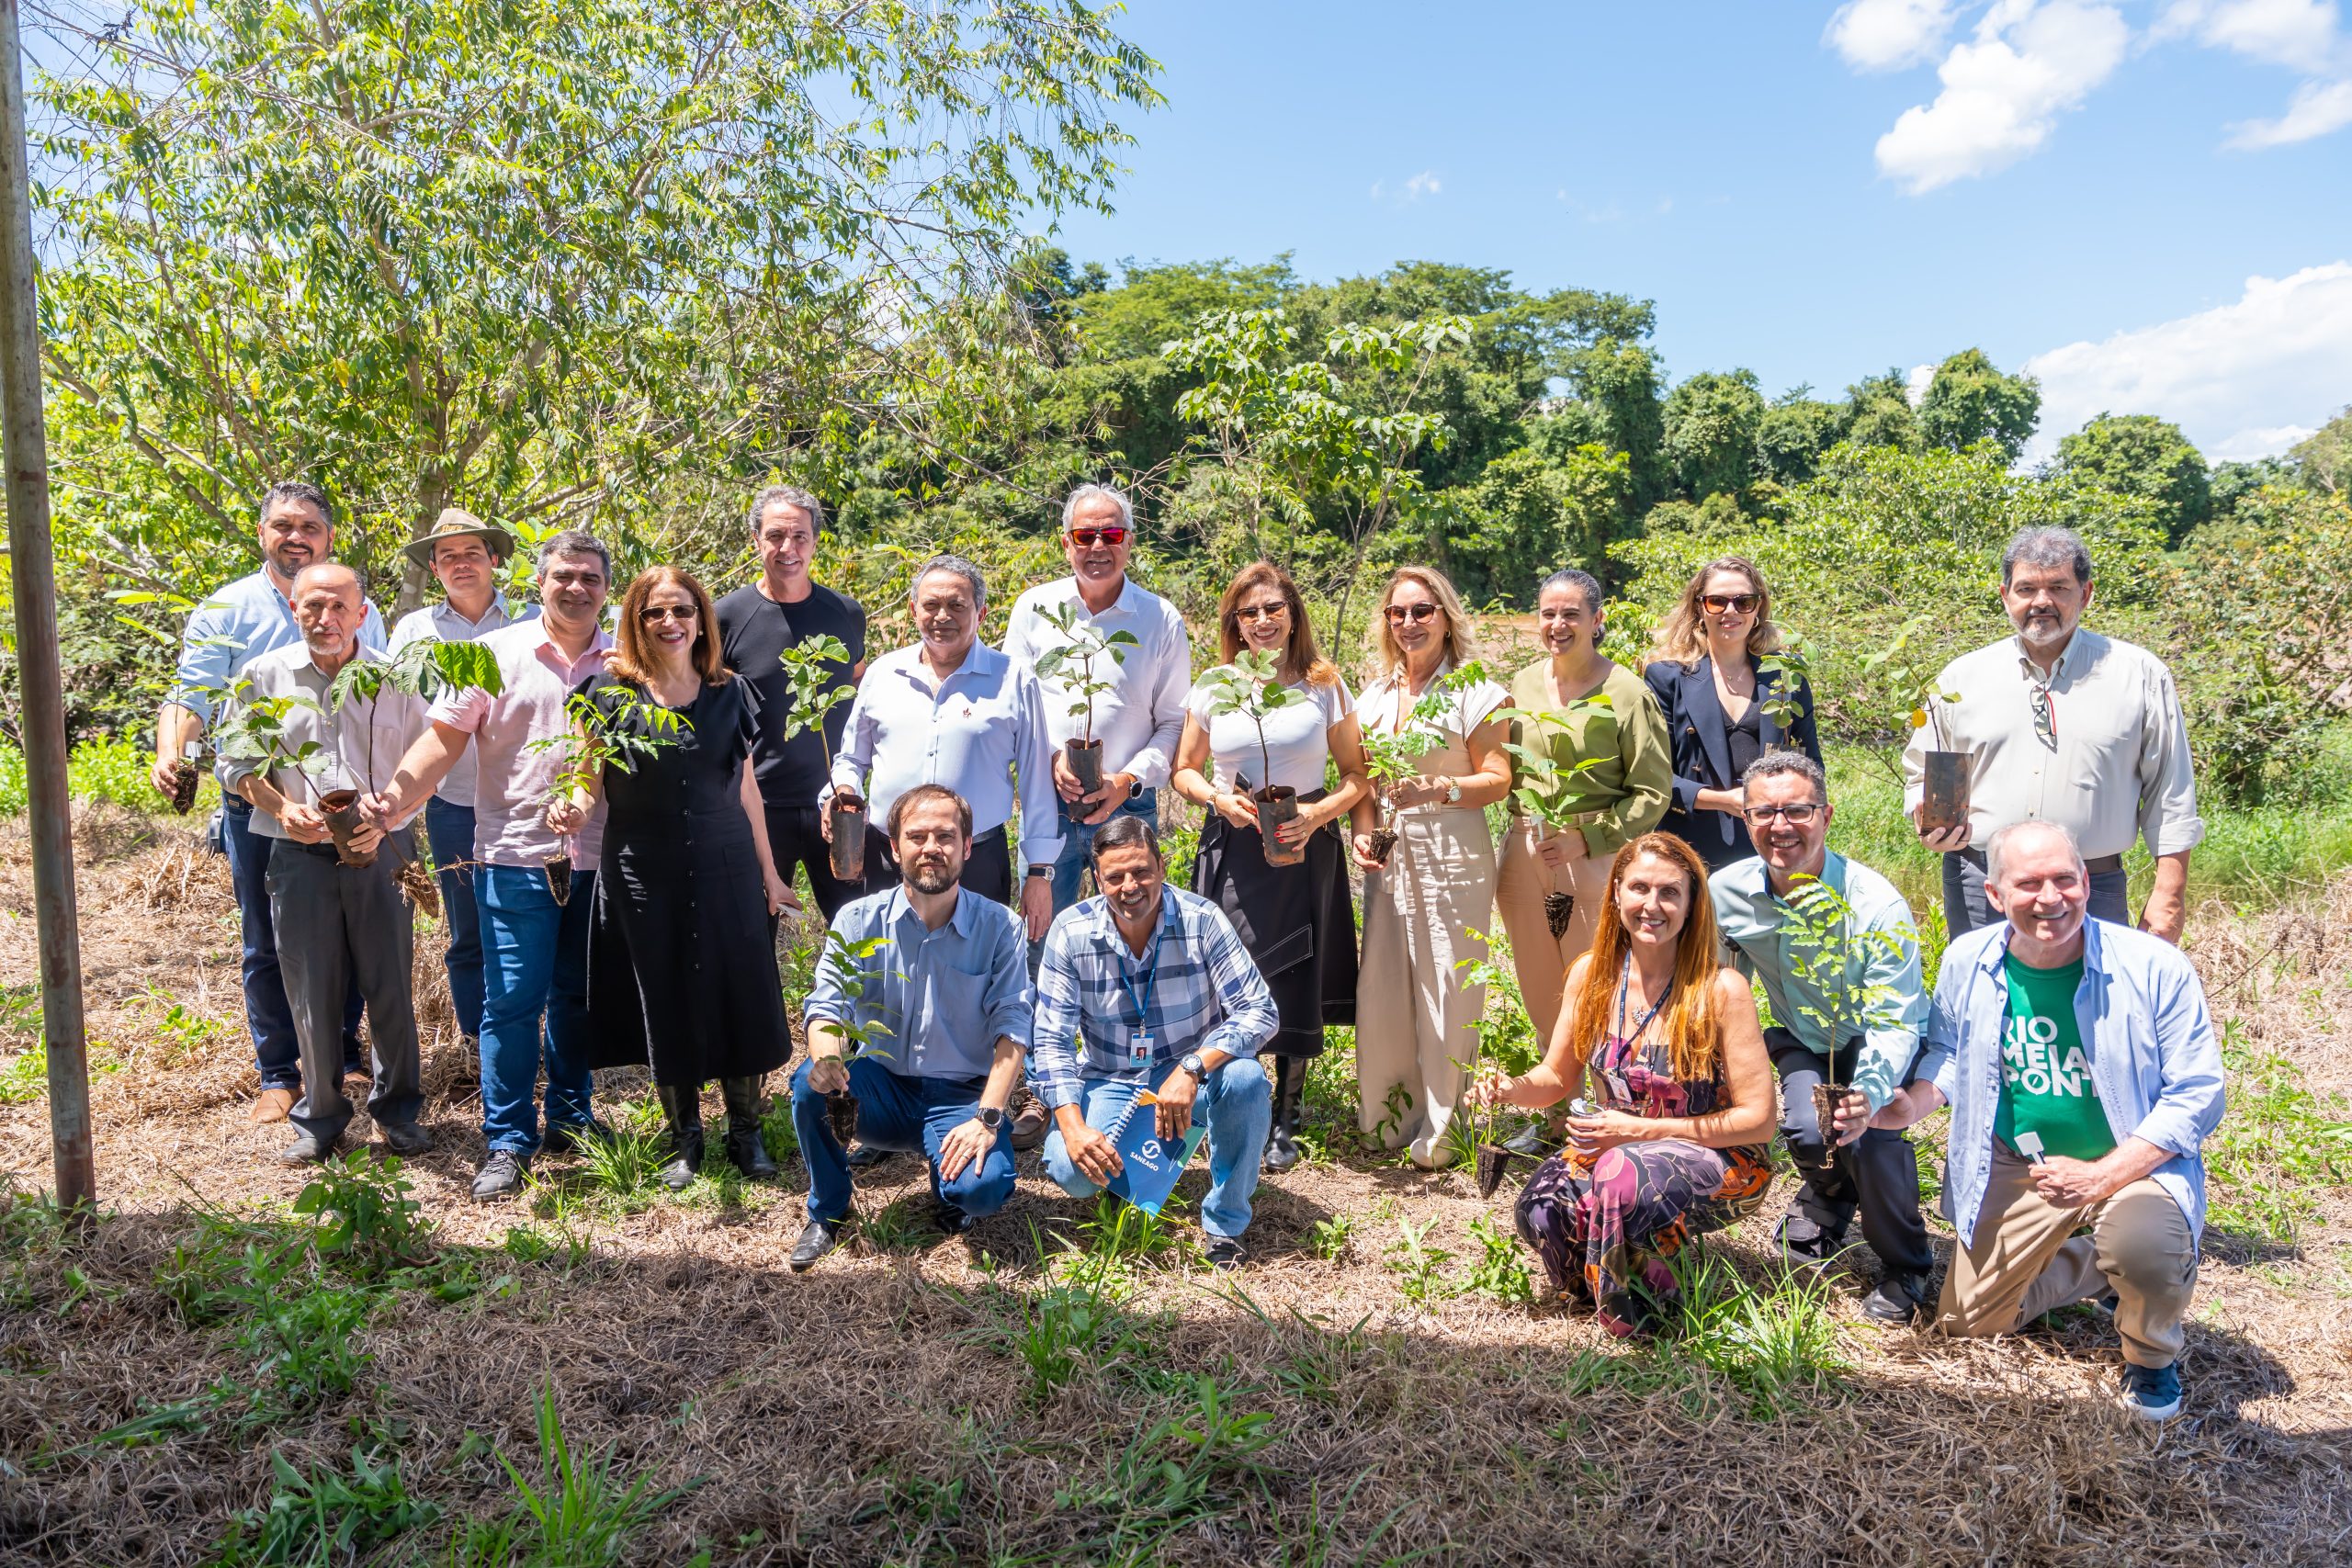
(1086, 538)
(1261, 613)
(1802, 812)
(653, 613)
(1399, 614)
(1732, 603)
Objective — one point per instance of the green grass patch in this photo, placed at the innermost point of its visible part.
(2277, 1147)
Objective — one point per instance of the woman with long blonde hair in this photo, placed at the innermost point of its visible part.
(1295, 917)
(1416, 1010)
(1659, 1046)
(682, 973)
(1724, 707)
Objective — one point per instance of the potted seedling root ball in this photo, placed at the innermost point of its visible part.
(809, 667)
(185, 776)
(1543, 793)
(1832, 957)
(1074, 664)
(613, 728)
(1251, 686)
(1394, 756)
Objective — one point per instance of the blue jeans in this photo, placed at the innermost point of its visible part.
(903, 1113)
(1237, 1105)
(1078, 839)
(451, 830)
(535, 955)
(277, 1051)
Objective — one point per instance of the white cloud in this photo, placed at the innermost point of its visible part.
(2242, 379)
(1423, 183)
(2003, 92)
(2298, 34)
(2317, 109)
(1887, 35)
(1916, 384)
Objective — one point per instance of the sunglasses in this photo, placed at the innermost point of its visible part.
(1798, 815)
(1399, 614)
(1261, 613)
(1736, 603)
(654, 612)
(1086, 538)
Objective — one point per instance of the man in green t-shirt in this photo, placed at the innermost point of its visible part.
(2049, 1105)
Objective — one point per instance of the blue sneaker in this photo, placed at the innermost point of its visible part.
(2151, 1393)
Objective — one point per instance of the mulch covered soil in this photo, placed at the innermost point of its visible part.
(876, 1409)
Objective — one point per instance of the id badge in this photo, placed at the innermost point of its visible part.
(1621, 1092)
(1139, 1048)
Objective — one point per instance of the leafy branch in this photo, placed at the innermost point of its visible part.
(1082, 645)
(1251, 686)
(806, 671)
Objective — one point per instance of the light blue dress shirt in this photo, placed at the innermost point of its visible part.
(972, 732)
(2155, 1062)
(937, 1001)
(1748, 913)
(236, 626)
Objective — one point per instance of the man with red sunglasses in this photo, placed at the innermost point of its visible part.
(1137, 721)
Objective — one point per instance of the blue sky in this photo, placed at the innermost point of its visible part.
(2142, 200)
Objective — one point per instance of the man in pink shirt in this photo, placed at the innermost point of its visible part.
(534, 935)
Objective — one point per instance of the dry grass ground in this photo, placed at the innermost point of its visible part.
(1020, 1398)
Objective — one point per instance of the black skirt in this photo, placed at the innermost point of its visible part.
(1297, 922)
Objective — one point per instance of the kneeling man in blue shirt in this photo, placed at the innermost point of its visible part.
(1145, 987)
(941, 995)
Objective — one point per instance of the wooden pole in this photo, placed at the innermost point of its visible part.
(40, 689)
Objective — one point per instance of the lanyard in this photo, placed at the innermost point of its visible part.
(1151, 979)
(1624, 978)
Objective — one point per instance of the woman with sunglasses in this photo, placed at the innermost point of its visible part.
(1296, 919)
(1723, 708)
(1417, 1013)
(682, 976)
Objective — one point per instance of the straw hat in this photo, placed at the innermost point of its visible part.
(456, 523)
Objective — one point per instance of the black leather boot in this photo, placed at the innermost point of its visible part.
(1290, 1088)
(744, 1146)
(681, 1104)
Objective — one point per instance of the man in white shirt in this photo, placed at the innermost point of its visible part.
(953, 711)
(465, 554)
(2062, 725)
(1139, 719)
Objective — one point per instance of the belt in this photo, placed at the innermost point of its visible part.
(1578, 819)
(2096, 865)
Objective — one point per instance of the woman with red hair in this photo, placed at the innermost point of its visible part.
(1665, 1039)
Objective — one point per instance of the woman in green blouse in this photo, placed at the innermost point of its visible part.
(1554, 876)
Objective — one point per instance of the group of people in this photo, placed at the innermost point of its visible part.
(617, 826)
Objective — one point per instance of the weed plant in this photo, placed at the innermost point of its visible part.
(572, 1513)
(2277, 1148)
(323, 1520)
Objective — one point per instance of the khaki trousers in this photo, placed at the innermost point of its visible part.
(1540, 959)
(2026, 1260)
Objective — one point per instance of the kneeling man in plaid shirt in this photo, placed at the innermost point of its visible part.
(1145, 986)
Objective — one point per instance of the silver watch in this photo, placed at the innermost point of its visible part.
(1454, 792)
(1195, 1065)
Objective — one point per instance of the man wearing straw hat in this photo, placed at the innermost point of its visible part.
(465, 554)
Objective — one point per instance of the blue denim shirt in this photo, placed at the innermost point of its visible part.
(2155, 1062)
(937, 1000)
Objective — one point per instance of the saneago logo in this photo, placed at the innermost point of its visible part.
(2025, 1046)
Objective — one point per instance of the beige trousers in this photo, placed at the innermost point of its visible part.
(1540, 959)
(1417, 1018)
(2026, 1260)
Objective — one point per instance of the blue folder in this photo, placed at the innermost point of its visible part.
(1148, 1165)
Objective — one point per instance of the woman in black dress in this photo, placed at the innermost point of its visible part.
(681, 971)
(1723, 707)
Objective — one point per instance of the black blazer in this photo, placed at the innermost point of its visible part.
(1698, 731)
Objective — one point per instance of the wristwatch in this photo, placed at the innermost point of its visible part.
(1041, 870)
(1454, 792)
(1195, 1065)
(1134, 786)
(989, 1117)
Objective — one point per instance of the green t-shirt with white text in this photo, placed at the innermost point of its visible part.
(2045, 1076)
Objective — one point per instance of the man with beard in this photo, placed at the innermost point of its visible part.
(2062, 725)
(535, 888)
(1785, 798)
(2084, 1077)
(930, 982)
(1146, 986)
(338, 925)
(236, 626)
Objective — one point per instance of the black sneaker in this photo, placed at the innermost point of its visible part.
(2151, 1393)
(1898, 1298)
(565, 1137)
(866, 1157)
(404, 1137)
(1226, 1252)
(501, 1176)
(950, 1220)
(817, 1238)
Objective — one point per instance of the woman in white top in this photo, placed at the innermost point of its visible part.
(1296, 919)
(1417, 1028)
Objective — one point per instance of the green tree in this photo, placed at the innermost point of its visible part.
(2138, 454)
(1877, 413)
(1711, 422)
(1970, 400)
(2324, 457)
(531, 254)
(1529, 513)
(1796, 430)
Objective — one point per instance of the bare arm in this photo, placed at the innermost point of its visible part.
(1189, 780)
(425, 764)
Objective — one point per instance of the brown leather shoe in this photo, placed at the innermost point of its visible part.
(1028, 1121)
(272, 1105)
